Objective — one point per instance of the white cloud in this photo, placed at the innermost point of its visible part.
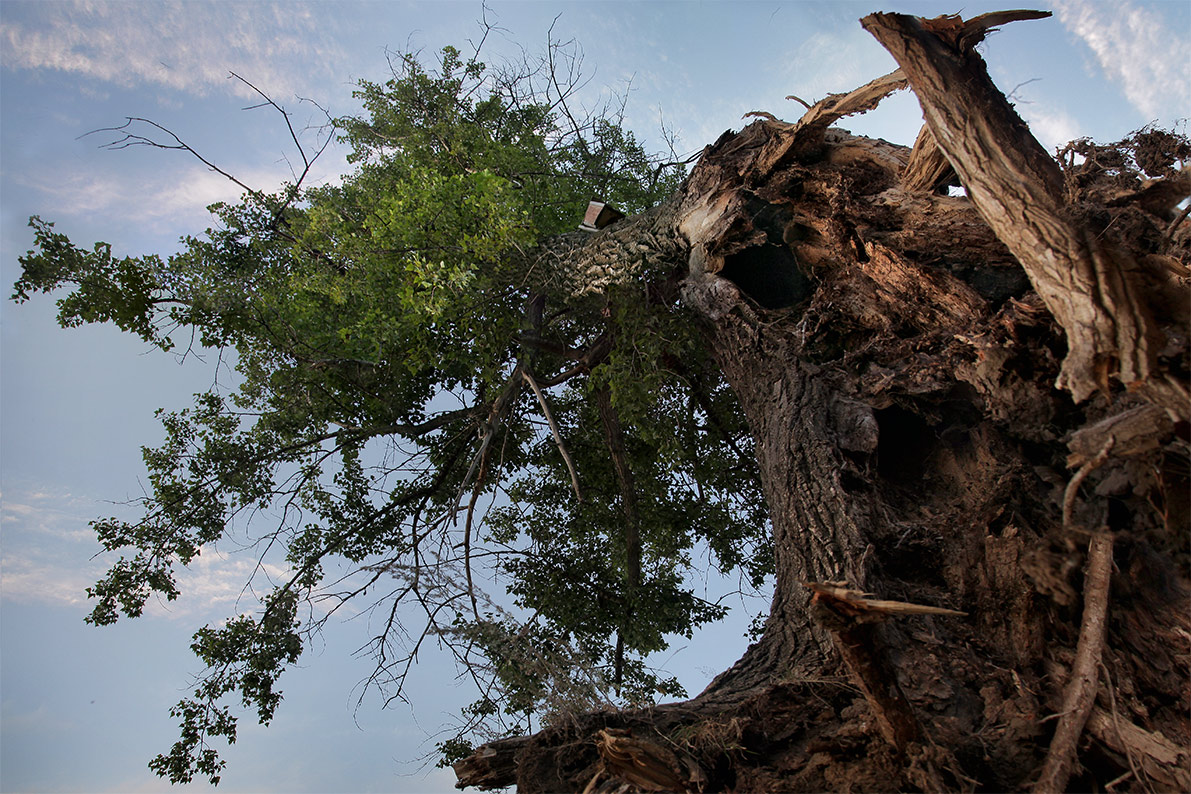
(215, 586)
(47, 546)
(35, 581)
(1053, 128)
(50, 558)
(57, 516)
(1138, 49)
(166, 200)
(185, 46)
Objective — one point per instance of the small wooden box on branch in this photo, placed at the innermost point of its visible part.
(599, 214)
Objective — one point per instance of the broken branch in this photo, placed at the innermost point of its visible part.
(928, 168)
(848, 615)
(808, 131)
(1018, 189)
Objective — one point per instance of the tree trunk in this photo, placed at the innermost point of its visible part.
(916, 380)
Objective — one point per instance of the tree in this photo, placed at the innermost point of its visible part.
(801, 337)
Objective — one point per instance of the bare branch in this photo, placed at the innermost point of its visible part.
(130, 139)
(562, 448)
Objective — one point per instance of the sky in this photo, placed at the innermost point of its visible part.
(84, 709)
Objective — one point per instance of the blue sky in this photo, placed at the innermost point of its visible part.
(83, 709)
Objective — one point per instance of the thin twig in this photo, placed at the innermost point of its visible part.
(131, 139)
(1116, 725)
(1174, 225)
(269, 101)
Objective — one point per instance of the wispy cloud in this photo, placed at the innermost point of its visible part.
(1053, 128)
(1137, 49)
(835, 60)
(39, 529)
(183, 45)
(217, 585)
(27, 580)
(165, 200)
(50, 558)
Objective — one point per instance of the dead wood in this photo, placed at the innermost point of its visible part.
(492, 766)
(850, 615)
(850, 619)
(910, 440)
(1085, 281)
(807, 133)
(1133, 432)
(1158, 759)
(644, 764)
(928, 169)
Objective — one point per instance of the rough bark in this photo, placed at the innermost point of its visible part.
(896, 353)
(928, 168)
(1086, 283)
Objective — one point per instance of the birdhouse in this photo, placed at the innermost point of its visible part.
(599, 215)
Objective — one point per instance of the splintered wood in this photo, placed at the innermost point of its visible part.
(631, 764)
(861, 608)
(1018, 188)
(849, 615)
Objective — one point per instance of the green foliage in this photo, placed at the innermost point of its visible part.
(122, 291)
(245, 656)
(384, 329)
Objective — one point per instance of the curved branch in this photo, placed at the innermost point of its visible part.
(562, 448)
(1080, 694)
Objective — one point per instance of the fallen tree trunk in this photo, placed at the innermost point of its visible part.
(896, 353)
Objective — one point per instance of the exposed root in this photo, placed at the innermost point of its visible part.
(1080, 692)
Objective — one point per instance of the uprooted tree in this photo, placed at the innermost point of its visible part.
(964, 420)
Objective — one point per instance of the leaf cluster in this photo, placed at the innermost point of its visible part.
(414, 402)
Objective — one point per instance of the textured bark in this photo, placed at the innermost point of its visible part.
(928, 168)
(1085, 282)
(896, 354)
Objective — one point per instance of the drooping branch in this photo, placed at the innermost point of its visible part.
(562, 447)
(1018, 189)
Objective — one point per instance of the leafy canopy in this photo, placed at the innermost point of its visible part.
(417, 399)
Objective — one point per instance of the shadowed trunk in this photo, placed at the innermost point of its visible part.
(949, 397)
